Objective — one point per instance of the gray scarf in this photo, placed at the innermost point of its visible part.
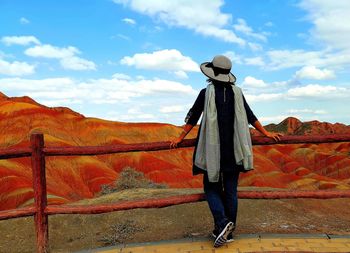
(208, 149)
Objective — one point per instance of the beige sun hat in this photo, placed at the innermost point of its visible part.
(219, 69)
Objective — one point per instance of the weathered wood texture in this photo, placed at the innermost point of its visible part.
(17, 213)
(39, 186)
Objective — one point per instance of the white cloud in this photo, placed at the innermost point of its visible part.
(19, 40)
(203, 18)
(235, 58)
(140, 117)
(24, 21)
(311, 72)
(221, 34)
(307, 111)
(181, 74)
(129, 21)
(121, 76)
(319, 91)
(330, 21)
(253, 82)
(255, 46)
(77, 63)
(49, 51)
(66, 55)
(243, 27)
(16, 68)
(48, 84)
(173, 109)
(167, 60)
(263, 97)
(255, 61)
(281, 59)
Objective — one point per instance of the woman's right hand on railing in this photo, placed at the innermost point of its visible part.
(174, 142)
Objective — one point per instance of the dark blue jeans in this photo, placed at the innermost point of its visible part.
(222, 197)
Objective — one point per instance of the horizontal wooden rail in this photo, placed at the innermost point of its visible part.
(153, 146)
(125, 205)
(6, 153)
(298, 139)
(16, 213)
(182, 199)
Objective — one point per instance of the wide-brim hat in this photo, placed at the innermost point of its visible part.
(219, 69)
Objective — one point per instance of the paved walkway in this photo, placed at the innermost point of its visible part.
(243, 243)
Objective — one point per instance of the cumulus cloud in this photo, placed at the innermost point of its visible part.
(282, 59)
(255, 46)
(329, 20)
(316, 90)
(66, 55)
(254, 61)
(311, 72)
(49, 51)
(166, 60)
(16, 68)
(181, 74)
(250, 81)
(243, 27)
(206, 19)
(263, 97)
(121, 76)
(19, 40)
(234, 57)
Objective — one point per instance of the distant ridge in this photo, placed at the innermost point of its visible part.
(293, 126)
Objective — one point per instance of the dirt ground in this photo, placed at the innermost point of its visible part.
(69, 233)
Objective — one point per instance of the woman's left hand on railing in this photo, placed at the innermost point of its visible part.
(275, 136)
(174, 142)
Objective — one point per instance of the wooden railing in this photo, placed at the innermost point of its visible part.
(37, 151)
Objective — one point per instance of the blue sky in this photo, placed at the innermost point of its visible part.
(138, 61)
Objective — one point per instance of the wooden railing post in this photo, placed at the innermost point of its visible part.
(39, 186)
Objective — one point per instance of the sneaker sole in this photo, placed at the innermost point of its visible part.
(228, 240)
(222, 237)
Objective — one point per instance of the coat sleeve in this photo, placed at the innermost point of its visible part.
(250, 115)
(195, 112)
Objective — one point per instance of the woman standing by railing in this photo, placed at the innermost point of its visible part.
(223, 147)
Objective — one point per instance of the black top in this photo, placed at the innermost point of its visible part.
(224, 100)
